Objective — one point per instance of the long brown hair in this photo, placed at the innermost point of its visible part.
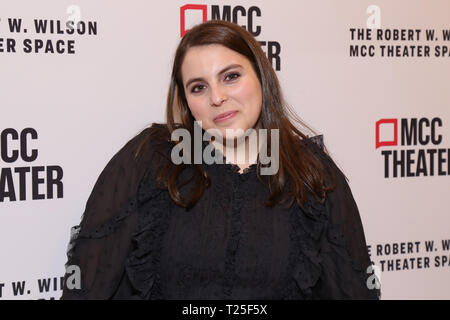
(299, 169)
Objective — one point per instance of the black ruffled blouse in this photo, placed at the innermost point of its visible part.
(134, 242)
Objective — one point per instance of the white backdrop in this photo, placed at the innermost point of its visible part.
(85, 103)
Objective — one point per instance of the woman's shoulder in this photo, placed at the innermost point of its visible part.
(317, 142)
(335, 178)
(340, 199)
(151, 140)
(156, 135)
(316, 146)
(139, 155)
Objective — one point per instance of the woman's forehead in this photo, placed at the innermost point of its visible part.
(212, 58)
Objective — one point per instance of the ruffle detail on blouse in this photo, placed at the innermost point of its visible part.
(107, 228)
(311, 229)
(236, 233)
(341, 253)
(103, 230)
(153, 206)
(334, 234)
(328, 234)
(308, 225)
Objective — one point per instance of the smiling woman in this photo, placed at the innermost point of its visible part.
(222, 88)
(158, 229)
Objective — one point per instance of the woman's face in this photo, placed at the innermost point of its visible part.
(222, 89)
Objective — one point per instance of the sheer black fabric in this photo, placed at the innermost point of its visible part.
(134, 243)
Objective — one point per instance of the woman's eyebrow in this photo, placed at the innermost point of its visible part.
(231, 66)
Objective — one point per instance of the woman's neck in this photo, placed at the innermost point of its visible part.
(241, 152)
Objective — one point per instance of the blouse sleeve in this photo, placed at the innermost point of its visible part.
(100, 243)
(344, 253)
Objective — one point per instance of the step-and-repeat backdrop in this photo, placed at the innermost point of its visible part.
(78, 79)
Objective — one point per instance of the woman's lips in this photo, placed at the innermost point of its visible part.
(225, 116)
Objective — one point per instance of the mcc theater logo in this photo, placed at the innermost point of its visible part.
(245, 17)
(412, 147)
(21, 178)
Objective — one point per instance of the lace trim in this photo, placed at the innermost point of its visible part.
(147, 239)
(235, 236)
(231, 167)
(334, 235)
(308, 223)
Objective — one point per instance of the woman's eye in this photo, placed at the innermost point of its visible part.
(194, 88)
(228, 77)
(232, 76)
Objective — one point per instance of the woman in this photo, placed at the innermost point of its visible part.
(158, 228)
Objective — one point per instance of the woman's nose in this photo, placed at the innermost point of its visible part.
(218, 95)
